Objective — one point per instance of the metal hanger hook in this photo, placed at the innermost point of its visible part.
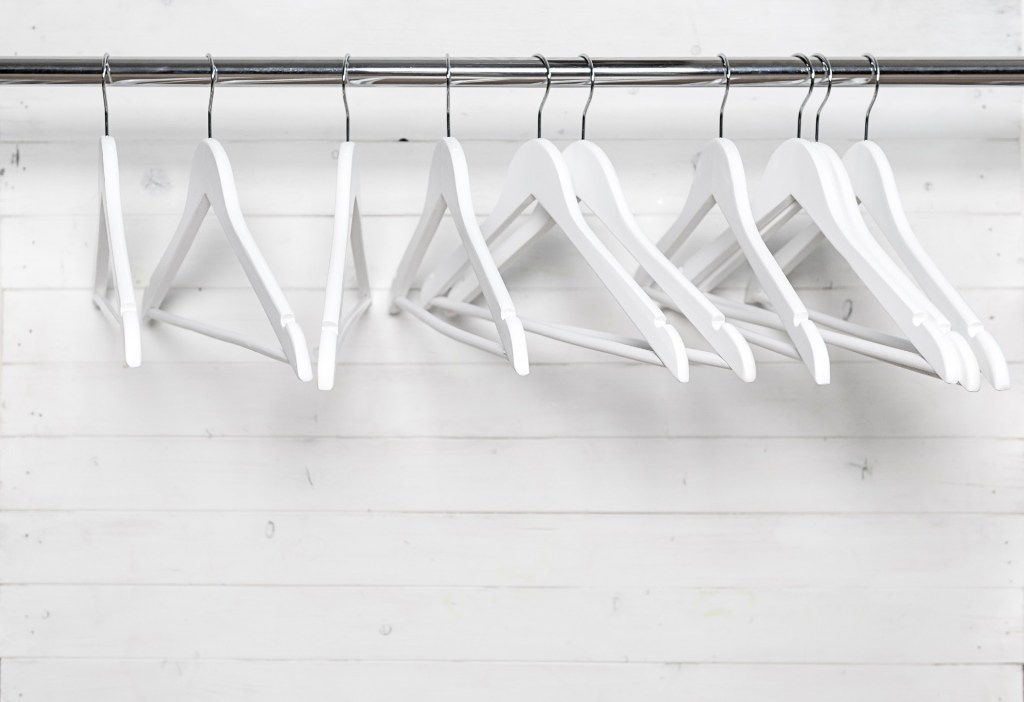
(448, 94)
(344, 95)
(728, 81)
(828, 91)
(547, 89)
(877, 72)
(810, 73)
(104, 79)
(590, 97)
(209, 109)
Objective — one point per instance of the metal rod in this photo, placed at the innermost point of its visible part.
(492, 72)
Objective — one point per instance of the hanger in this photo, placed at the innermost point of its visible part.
(347, 229)
(720, 179)
(597, 185)
(212, 186)
(964, 368)
(538, 173)
(874, 184)
(855, 337)
(803, 175)
(448, 189)
(113, 268)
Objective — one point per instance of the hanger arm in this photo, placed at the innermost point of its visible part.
(875, 186)
(212, 186)
(448, 188)
(112, 262)
(347, 235)
(720, 178)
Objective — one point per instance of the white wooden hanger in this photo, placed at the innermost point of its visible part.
(967, 373)
(863, 340)
(538, 173)
(113, 268)
(874, 184)
(448, 189)
(347, 230)
(802, 175)
(720, 179)
(596, 184)
(212, 186)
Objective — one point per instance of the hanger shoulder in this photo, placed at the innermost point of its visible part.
(539, 171)
(699, 201)
(217, 180)
(212, 186)
(722, 180)
(808, 173)
(506, 238)
(113, 267)
(875, 186)
(448, 188)
(447, 157)
(597, 185)
(347, 234)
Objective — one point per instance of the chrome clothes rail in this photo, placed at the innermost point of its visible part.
(491, 72)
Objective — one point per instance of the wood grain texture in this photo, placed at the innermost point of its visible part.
(287, 548)
(173, 680)
(582, 400)
(849, 625)
(593, 475)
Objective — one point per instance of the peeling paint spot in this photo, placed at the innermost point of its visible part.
(155, 179)
(270, 530)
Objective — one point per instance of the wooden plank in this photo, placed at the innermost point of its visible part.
(944, 625)
(288, 548)
(391, 27)
(463, 400)
(972, 250)
(861, 475)
(40, 680)
(276, 178)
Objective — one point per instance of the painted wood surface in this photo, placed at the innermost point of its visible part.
(205, 528)
(35, 680)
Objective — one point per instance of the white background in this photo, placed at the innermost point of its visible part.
(207, 528)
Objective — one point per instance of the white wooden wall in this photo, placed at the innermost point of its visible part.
(206, 528)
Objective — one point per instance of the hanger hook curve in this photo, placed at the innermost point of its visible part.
(547, 89)
(448, 95)
(590, 97)
(828, 91)
(876, 71)
(344, 94)
(810, 73)
(209, 109)
(728, 81)
(104, 79)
